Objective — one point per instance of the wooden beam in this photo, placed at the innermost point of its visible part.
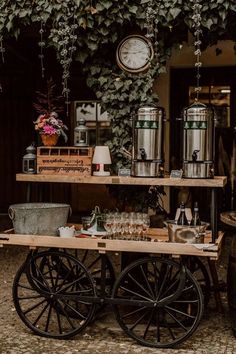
(216, 182)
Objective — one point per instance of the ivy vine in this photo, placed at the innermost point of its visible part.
(86, 30)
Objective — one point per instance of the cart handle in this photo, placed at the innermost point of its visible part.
(11, 213)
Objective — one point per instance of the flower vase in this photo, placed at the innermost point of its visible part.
(49, 140)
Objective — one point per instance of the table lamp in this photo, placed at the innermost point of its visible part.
(101, 157)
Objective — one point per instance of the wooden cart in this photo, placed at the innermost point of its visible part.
(157, 301)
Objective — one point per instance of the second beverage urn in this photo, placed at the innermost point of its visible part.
(198, 141)
(147, 149)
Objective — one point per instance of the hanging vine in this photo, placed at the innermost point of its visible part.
(87, 30)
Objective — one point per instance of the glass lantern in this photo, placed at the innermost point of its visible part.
(29, 160)
(81, 134)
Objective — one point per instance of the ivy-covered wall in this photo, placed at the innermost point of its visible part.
(89, 31)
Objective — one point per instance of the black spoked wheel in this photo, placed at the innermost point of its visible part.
(92, 260)
(157, 302)
(54, 294)
(199, 271)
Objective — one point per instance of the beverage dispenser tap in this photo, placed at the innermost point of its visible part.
(194, 155)
(143, 154)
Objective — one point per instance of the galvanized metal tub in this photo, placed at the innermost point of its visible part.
(186, 233)
(38, 218)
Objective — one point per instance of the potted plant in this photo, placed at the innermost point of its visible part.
(48, 125)
(155, 202)
(142, 199)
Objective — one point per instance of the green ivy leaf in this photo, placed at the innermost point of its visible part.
(118, 84)
(77, 2)
(107, 4)
(175, 12)
(102, 80)
(208, 23)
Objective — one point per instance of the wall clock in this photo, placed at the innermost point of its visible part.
(134, 53)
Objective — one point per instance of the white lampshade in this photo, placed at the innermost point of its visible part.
(101, 157)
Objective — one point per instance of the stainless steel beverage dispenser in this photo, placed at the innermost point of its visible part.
(198, 141)
(147, 150)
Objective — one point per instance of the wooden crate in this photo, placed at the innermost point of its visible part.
(73, 161)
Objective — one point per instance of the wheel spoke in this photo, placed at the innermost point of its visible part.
(137, 321)
(51, 276)
(66, 315)
(34, 306)
(179, 312)
(91, 265)
(85, 256)
(158, 327)
(42, 276)
(176, 320)
(48, 317)
(148, 324)
(133, 312)
(73, 309)
(135, 293)
(139, 285)
(29, 297)
(147, 282)
(40, 314)
(163, 283)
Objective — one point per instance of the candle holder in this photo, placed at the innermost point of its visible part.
(29, 160)
(81, 134)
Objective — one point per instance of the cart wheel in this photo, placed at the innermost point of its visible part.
(156, 303)
(54, 298)
(92, 260)
(200, 273)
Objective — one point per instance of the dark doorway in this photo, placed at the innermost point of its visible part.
(20, 79)
(213, 79)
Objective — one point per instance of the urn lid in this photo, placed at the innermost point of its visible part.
(198, 109)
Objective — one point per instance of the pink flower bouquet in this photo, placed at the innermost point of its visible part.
(50, 124)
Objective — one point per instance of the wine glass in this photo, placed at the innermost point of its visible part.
(146, 223)
(108, 219)
(139, 227)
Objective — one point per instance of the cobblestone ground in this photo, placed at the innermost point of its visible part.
(104, 335)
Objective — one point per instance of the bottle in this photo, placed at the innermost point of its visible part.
(195, 219)
(182, 219)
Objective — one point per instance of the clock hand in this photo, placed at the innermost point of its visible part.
(127, 52)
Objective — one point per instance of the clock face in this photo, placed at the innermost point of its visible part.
(134, 53)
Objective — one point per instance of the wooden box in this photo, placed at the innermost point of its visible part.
(73, 161)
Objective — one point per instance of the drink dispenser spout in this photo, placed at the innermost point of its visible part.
(194, 155)
(143, 154)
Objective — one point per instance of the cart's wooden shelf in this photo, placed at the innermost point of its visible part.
(216, 182)
(158, 245)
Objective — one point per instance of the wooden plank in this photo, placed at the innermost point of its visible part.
(104, 245)
(216, 182)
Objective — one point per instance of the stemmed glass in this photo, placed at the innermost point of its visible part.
(124, 225)
(139, 226)
(146, 223)
(108, 220)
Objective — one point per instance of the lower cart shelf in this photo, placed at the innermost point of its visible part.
(158, 244)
